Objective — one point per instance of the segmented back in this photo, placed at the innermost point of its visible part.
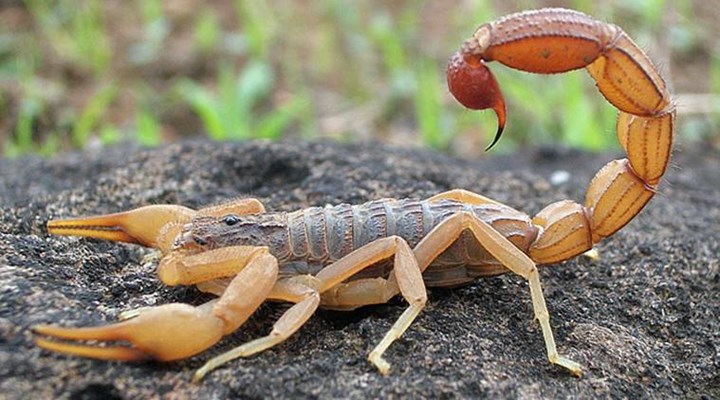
(305, 241)
(318, 236)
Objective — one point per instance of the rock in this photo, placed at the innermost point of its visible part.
(643, 319)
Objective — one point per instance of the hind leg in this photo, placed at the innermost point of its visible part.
(405, 278)
(447, 232)
(463, 196)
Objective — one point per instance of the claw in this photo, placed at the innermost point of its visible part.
(472, 83)
(165, 333)
(153, 226)
(99, 353)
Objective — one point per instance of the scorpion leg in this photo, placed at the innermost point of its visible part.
(240, 207)
(448, 231)
(406, 276)
(360, 292)
(468, 197)
(463, 196)
(306, 299)
(215, 286)
(176, 331)
(182, 269)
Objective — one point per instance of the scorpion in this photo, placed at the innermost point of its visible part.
(348, 256)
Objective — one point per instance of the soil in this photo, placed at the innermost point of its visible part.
(644, 319)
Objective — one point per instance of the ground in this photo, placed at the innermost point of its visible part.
(643, 319)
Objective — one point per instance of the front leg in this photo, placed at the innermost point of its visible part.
(302, 292)
(176, 331)
(305, 292)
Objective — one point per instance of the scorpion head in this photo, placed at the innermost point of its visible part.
(210, 232)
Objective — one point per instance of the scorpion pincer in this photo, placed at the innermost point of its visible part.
(347, 256)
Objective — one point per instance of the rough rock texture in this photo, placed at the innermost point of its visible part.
(643, 320)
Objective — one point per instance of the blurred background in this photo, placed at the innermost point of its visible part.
(80, 74)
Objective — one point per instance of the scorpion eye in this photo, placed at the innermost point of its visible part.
(231, 219)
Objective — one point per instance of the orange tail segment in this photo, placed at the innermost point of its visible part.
(556, 40)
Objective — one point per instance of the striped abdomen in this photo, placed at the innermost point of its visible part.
(317, 236)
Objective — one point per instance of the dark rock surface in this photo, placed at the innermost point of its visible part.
(644, 320)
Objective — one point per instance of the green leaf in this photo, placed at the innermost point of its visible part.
(92, 113)
(273, 124)
(149, 131)
(205, 106)
(427, 107)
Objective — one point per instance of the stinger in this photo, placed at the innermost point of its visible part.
(472, 83)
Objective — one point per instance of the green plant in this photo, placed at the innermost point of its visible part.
(148, 129)
(304, 64)
(155, 31)
(258, 24)
(207, 30)
(233, 113)
(90, 116)
(76, 31)
(428, 107)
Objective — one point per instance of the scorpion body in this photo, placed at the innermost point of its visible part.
(347, 256)
(307, 240)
